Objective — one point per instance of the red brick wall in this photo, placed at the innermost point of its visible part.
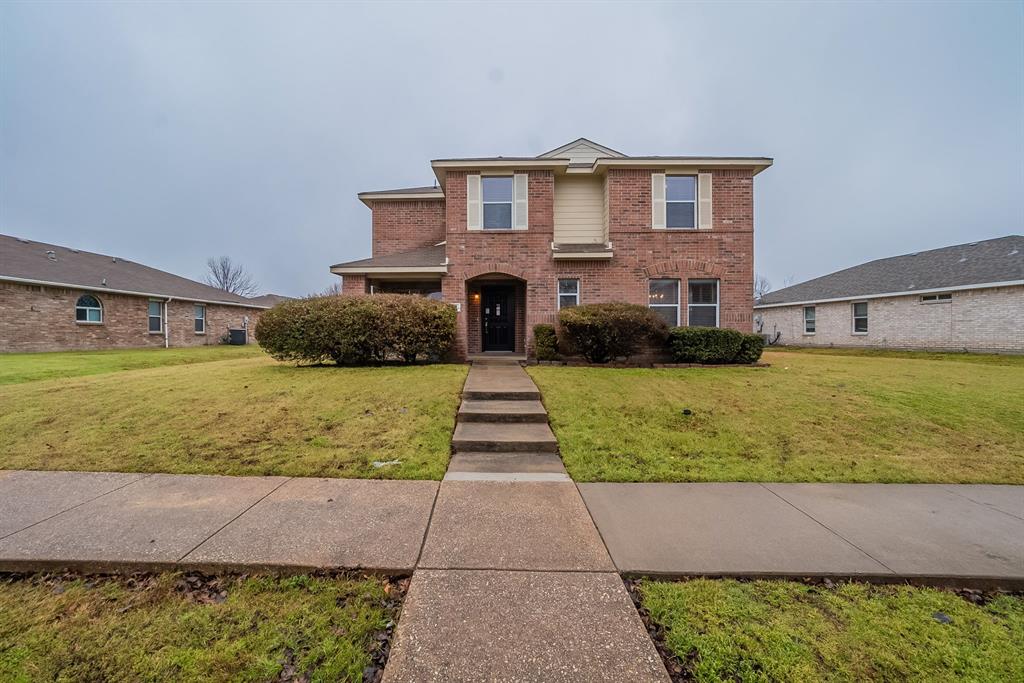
(353, 284)
(402, 225)
(640, 253)
(34, 318)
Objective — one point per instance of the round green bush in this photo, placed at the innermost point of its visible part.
(357, 330)
(603, 332)
(545, 342)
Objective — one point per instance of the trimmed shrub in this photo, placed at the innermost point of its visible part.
(711, 345)
(545, 342)
(357, 330)
(750, 349)
(603, 332)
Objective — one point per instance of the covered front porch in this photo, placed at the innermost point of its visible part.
(496, 316)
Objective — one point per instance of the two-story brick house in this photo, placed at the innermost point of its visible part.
(510, 240)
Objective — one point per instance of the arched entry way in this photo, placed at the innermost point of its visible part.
(496, 315)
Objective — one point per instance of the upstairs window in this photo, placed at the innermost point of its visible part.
(936, 298)
(156, 316)
(809, 314)
(680, 201)
(568, 293)
(703, 304)
(497, 201)
(663, 299)
(199, 315)
(88, 309)
(860, 317)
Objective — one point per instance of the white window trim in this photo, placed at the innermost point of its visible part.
(559, 294)
(717, 304)
(803, 312)
(194, 318)
(511, 204)
(696, 206)
(854, 316)
(677, 305)
(939, 298)
(87, 309)
(163, 308)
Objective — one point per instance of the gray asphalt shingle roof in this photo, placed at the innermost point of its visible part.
(995, 260)
(416, 258)
(37, 261)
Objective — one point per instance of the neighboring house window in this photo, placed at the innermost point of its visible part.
(702, 310)
(200, 318)
(809, 319)
(497, 200)
(680, 201)
(568, 293)
(156, 316)
(936, 298)
(663, 298)
(88, 309)
(860, 317)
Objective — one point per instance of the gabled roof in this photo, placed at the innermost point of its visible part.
(568, 149)
(269, 299)
(988, 262)
(424, 260)
(23, 260)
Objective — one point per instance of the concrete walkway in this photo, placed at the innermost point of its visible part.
(516, 573)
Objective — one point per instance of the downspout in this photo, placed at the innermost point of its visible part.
(167, 317)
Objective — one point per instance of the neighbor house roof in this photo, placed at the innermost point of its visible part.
(423, 260)
(31, 262)
(269, 299)
(964, 266)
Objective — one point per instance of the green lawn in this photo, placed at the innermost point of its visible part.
(249, 416)
(27, 367)
(150, 629)
(788, 631)
(813, 417)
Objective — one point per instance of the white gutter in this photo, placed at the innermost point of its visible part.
(152, 295)
(167, 319)
(395, 269)
(885, 295)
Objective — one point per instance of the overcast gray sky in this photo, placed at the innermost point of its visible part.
(167, 133)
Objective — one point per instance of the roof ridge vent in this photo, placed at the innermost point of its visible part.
(51, 254)
(114, 259)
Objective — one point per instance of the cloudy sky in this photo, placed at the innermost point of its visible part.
(167, 133)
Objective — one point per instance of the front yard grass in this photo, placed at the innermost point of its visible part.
(251, 416)
(810, 417)
(161, 628)
(789, 631)
(29, 367)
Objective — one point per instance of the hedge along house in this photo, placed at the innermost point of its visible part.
(510, 240)
(968, 297)
(54, 298)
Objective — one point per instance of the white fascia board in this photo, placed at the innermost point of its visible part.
(152, 295)
(355, 270)
(886, 295)
(757, 163)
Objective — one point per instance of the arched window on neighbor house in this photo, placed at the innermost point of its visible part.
(88, 309)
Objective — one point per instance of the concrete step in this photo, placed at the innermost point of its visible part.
(512, 437)
(531, 395)
(499, 383)
(506, 462)
(502, 411)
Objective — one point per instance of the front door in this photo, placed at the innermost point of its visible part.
(498, 318)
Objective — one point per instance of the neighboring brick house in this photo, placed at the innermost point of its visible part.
(53, 298)
(969, 297)
(509, 240)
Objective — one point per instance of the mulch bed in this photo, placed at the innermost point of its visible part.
(214, 588)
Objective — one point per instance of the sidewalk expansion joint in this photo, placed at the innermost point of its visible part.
(426, 529)
(977, 502)
(73, 507)
(225, 525)
(829, 529)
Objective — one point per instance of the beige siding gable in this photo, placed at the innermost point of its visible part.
(579, 210)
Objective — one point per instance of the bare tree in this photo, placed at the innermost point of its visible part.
(333, 290)
(761, 287)
(223, 273)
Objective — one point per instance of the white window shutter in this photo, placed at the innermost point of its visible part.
(474, 206)
(704, 201)
(521, 193)
(658, 201)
